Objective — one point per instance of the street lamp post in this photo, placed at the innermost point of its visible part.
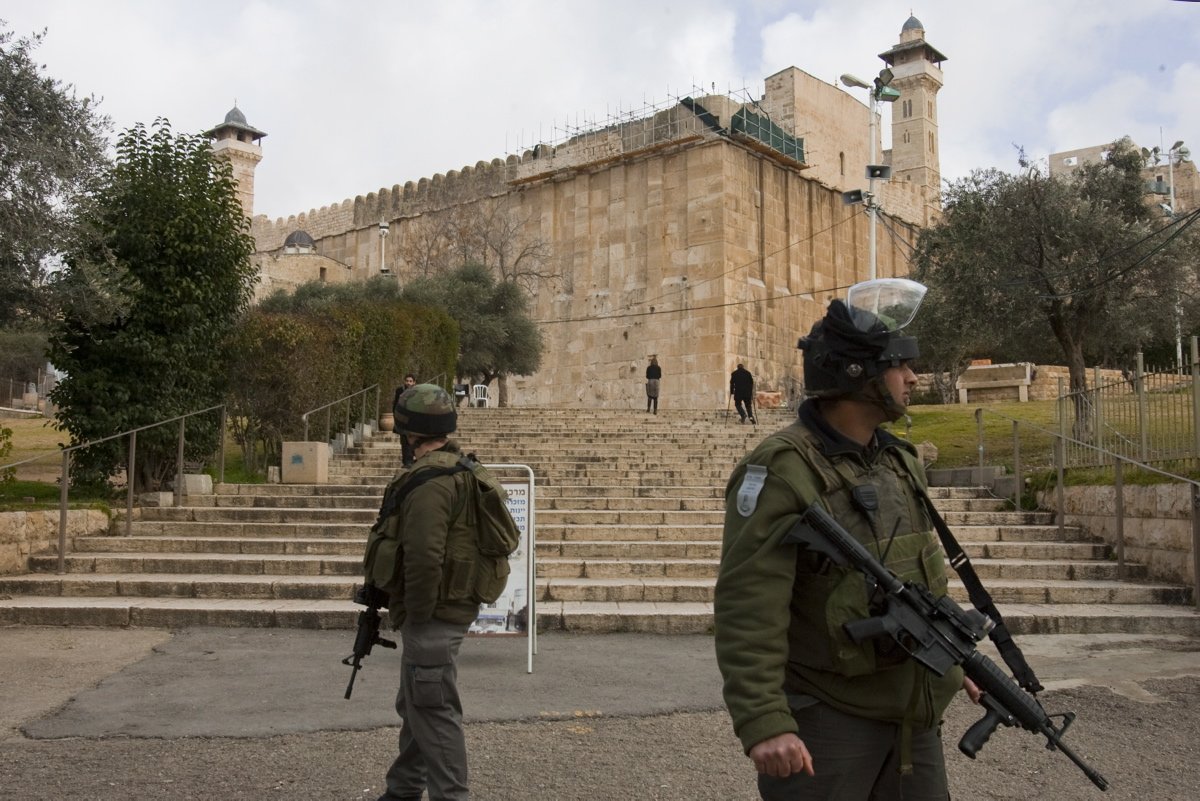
(880, 91)
(1177, 151)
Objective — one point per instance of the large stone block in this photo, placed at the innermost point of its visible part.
(197, 484)
(305, 463)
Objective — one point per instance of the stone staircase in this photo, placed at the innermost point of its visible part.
(629, 514)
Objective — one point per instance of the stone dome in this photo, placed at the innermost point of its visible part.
(235, 117)
(911, 24)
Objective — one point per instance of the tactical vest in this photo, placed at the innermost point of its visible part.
(898, 532)
(469, 577)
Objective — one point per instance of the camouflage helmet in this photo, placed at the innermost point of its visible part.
(426, 410)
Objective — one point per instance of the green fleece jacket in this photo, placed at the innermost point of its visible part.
(437, 552)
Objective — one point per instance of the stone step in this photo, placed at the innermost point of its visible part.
(225, 529)
(204, 542)
(363, 500)
(258, 514)
(189, 585)
(626, 517)
(196, 563)
(666, 504)
(1016, 569)
(696, 618)
(297, 490)
(142, 587)
(1004, 592)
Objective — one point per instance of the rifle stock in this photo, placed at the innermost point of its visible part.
(937, 633)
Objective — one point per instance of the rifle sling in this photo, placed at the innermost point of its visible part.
(982, 600)
(392, 502)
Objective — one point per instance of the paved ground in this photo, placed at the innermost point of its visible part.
(252, 714)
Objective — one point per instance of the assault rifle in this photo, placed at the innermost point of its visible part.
(939, 634)
(367, 636)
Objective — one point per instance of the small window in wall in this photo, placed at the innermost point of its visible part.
(322, 275)
(931, 109)
(907, 137)
(842, 163)
(931, 141)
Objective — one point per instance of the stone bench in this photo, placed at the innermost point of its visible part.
(995, 376)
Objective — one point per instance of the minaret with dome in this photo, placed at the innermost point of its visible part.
(238, 141)
(917, 69)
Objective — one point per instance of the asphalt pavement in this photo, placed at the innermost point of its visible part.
(214, 682)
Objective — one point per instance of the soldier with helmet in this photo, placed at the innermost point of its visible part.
(820, 716)
(435, 542)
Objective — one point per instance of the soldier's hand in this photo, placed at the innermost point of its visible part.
(781, 756)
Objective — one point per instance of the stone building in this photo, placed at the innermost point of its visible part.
(706, 232)
(1171, 177)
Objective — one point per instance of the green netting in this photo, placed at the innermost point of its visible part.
(769, 134)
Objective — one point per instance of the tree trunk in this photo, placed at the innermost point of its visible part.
(1081, 402)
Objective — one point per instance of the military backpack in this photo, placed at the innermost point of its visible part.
(484, 504)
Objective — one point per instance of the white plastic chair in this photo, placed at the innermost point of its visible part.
(479, 395)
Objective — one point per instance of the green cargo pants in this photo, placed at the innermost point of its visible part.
(433, 750)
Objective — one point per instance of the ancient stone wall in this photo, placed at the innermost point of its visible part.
(23, 534)
(1157, 530)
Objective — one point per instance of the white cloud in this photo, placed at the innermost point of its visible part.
(362, 94)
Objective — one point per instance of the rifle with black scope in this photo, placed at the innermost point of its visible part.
(937, 633)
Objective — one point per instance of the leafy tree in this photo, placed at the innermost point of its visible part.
(52, 149)
(170, 233)
(496, 336)
(1080, 261)
(300, 350)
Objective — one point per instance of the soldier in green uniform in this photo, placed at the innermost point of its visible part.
(822, 717)
(432, 605)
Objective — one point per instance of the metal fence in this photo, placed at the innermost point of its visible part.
(1149, 416)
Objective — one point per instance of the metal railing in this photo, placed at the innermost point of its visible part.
(1147, 416)
(1061, 444)
(64, 479)
(345, 419)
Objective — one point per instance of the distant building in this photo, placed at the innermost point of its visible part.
(708, 231)
(1165, 174)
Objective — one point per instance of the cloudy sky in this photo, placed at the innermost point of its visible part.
(356, 95)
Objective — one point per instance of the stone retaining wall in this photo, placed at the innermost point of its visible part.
(1158, 524)
(25, 533)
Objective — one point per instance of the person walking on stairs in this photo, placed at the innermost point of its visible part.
(741, 387)
(653, 377)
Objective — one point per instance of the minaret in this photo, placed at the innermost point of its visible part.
(917, 69)
(237, 141)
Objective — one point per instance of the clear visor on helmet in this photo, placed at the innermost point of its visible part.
(891, 301)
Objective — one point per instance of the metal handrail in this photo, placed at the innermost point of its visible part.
(328, 407)
(131, 469)
(1119, 463)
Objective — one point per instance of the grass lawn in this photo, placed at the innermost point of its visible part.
(35, 436)
(36, 484)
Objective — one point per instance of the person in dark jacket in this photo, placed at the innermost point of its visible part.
(653, 377)
(741, 387)
(434, 606)
(406, 451)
